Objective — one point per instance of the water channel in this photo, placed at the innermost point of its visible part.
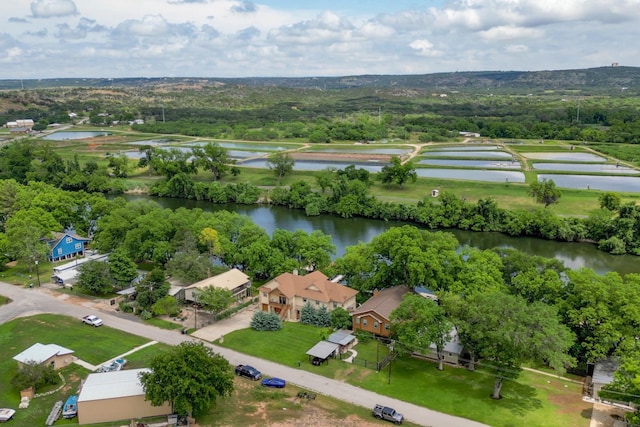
(350, 231)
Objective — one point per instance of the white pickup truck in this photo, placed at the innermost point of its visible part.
(92, 320)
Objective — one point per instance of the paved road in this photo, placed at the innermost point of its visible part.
(32, 301)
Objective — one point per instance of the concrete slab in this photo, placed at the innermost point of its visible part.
(240, 320)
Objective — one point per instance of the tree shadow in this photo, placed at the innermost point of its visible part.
(587, 413)
(519, 398)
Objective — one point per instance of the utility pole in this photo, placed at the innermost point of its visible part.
(38, 273)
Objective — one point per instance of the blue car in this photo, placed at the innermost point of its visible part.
(274, 382)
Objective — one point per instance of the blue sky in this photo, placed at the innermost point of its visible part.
(249, 38)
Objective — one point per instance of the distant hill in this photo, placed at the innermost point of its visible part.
(592, 80)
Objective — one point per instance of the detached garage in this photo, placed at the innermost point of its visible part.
(113, 396)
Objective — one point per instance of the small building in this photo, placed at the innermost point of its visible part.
(67, 274)
(345, 340)
(373, 315)
(233, 280)
(452, 350)
(288, 293)
(50, 354)
(323, 350)
(67, 246)
(114, 396)
(603, 372)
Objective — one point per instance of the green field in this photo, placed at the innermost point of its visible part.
(531, 400)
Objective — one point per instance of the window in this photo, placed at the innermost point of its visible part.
(335, 305)
(386, 326)
(375, 325)
(317, 302)
(68, 240)
(59, 251)
(304, 300)
(264, 294)
(364, 322)
(357, 320)
(78, 246)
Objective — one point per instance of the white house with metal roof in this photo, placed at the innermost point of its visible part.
(113, 396)
(51, 354)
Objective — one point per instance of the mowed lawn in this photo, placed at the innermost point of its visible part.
(531, 400)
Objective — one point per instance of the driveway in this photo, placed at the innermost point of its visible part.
(33, 301)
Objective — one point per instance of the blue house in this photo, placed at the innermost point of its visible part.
(66, 246)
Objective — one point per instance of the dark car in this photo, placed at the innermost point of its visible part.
(248, 371)
(274, 382)
(317, 361)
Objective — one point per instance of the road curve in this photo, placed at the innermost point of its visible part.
(26, 302)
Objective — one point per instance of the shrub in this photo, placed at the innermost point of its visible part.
(263, 321)
(35, 375)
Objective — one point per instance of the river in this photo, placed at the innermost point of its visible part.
(350, 231)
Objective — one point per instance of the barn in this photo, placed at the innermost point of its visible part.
(113, 396)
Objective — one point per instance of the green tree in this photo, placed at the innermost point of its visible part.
(281, 163)
(152, 288)
(34, 374)
(398, 172)
(215, 299)
(119, 164)
(610, 201)
(95, 278)
(189, 376)
(505, 331)
(308, 314)
(419, 322)
(545, 192)
(189, 267)
(341, 319)
(166, 306)
(121, 268)
(323, 317)
(263, 321)
(214, 158)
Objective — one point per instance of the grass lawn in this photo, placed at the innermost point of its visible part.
(532, 400)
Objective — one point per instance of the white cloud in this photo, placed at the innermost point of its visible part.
(53, 8)
(424, 48)
(510, 33)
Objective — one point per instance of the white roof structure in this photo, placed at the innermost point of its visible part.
(323, 349)
(111, 385)
(453, 346)
(41, 352)
(341, 337)
(228, 280)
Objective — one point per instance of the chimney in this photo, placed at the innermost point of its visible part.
(295, 271)
(375, 293)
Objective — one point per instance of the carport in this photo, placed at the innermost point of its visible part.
(323, 350)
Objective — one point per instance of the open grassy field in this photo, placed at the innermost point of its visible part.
(531, 400)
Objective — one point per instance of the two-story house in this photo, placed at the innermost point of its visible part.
(373, 315)
(67, 246)
(288, 293)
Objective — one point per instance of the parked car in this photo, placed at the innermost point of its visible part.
(248, 371)
(274, 382)
(389, 414)
(92, 320)
(317, 361)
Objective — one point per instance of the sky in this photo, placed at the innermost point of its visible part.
(310, 38)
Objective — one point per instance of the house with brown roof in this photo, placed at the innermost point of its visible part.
(373, 315)
(288, 293)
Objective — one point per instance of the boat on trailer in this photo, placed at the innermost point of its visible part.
(70, 408)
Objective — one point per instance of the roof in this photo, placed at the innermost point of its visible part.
(129, 291)
(228, 280)
(383, 302)
(78, 261)
(315, 286)
(323, 349)
(111, 385)
(41, 352)
(67, 276)
(57, 237)
(604, 369)
(341, 337)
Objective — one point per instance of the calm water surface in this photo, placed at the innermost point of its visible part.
(351, 231)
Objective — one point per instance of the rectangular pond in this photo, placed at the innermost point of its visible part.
(585, 167)
(316, 165)
(595, 182)
(390, 151)
(469, 154)
(465, 148)
(245, 145)
(569, 156)
(63, 136)
(234, 154)
(484, 164)
(472, 175)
